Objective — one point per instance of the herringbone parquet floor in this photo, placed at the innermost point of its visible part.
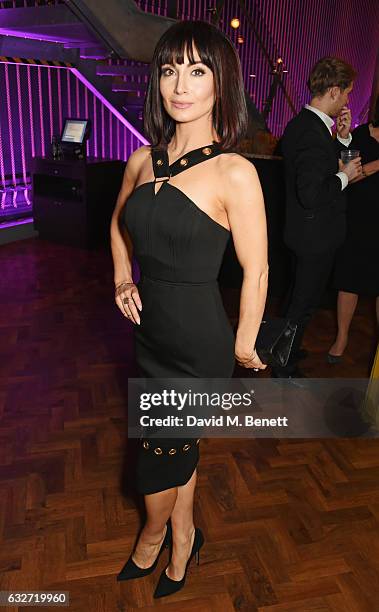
(290, 525)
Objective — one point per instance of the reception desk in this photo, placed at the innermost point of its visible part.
(73, 200)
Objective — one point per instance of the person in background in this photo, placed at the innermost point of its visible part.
(315, 199)
(356, 271)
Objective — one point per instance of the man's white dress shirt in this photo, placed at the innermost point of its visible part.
(345, 141)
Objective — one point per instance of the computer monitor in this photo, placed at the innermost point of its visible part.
(75, 131)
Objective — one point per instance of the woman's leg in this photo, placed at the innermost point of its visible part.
(346, 305)
(183, 530)
(159, 507)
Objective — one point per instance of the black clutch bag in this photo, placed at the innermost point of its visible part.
(274, 341)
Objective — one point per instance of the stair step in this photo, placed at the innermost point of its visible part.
(49, 23)
(129, 86)
(136, 104)
(94, 56)
(96, 52)
(134, 114)
(103, 70)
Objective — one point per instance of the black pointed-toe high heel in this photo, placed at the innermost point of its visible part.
(167, 586)
(131, 570)
(334, 358)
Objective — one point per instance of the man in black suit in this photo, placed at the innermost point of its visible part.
(315, 199)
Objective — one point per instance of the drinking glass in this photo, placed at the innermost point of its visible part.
(349, 154)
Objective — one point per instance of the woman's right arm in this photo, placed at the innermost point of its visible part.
(121, 244)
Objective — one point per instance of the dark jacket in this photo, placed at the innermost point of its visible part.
(315, 202)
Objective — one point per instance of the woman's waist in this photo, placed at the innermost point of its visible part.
(172, 281)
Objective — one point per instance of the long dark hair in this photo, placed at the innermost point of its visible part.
(375, 119)
(217, 52)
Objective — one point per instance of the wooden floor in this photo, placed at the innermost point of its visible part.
(290, 525)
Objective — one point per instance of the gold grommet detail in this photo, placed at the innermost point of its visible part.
(207, 151)
(159, 162)
(158, 451)
(146, 444)
(197, 441)
(172, 451)
(184, 161)
(186, 447)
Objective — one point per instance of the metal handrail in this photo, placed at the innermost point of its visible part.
(271, 63)
(9, 4)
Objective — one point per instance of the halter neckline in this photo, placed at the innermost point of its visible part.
(164, 171)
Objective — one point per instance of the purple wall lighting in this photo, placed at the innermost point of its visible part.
(15, 140)
(36, 99)
(304, 31)
(35, 102)
(300, 32)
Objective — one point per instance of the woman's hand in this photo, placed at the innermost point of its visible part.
(128, 300)
(367, 170)
(249, 360)
(371, 167)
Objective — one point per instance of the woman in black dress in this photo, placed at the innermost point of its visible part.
(185, 195)
(356, 269)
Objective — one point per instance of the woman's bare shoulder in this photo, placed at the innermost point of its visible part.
(135, 164)
(139, 157)
(235, 168)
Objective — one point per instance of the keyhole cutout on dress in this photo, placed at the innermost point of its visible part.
(158, 185)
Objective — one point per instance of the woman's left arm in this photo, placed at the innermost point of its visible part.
(244, 204)
(367, 170)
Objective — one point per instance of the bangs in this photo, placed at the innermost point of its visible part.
(216, 51)
(179, 43)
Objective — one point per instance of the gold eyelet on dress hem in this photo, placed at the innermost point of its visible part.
(159, 162)
(184, 161)
(146, 444)
(207, 151)
(172, 451)
(186, 447)
(158, 451)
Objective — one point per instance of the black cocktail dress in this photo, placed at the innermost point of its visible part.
(184, 330)
(356, 269)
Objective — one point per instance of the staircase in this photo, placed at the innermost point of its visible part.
(128, 81)
(115, 65)
(113, 68)
(108, 45)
